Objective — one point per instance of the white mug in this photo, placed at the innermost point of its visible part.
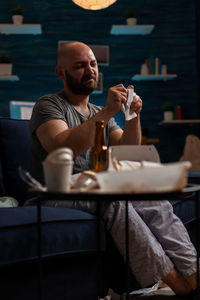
(57, 169)
(57, 176)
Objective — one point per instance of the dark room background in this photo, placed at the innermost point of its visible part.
(174, 40)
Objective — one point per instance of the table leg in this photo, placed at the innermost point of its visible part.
(197, 296)
(127, 251)
(39, 250)
(98, 245)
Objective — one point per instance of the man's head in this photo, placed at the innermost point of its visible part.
(77, 67)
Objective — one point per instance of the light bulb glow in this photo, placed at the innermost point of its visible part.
(94, 4)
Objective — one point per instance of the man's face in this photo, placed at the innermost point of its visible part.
(81, 74)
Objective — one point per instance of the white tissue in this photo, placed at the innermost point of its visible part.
(129, 114)
(146, 290)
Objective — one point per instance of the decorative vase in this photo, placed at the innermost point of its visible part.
(144, 70)
(168, 115)
(164, 69)
(17, 19)
(131, 21)
(5, 69)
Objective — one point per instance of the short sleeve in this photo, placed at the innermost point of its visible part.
(44, 110)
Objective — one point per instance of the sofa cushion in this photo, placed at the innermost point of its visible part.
(64, 231)
(14, 152)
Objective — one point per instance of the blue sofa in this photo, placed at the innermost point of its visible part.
(72, 267)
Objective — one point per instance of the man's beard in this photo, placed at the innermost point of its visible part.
(80, 88)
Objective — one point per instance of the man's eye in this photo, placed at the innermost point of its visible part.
(93, 64)
(79, 66)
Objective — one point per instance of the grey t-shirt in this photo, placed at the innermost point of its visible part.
(56, 106)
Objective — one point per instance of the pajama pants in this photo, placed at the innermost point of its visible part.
(158, 240)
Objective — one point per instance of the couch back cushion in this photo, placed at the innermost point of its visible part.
(14, 152)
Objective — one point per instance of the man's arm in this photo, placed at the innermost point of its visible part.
(131, 135)
(54, 134)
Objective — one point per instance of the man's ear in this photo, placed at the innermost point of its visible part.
(60, 72)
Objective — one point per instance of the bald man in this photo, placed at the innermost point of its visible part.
(158, 240)
(77, 68)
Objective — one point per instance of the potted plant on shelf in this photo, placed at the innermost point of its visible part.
(168, 111)
(17, 15)
(131, 17)
(5, 65)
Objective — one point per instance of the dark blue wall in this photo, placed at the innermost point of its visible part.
(173, 40)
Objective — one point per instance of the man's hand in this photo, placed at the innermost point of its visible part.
(116, 96)
(132, 128)
(136, 105)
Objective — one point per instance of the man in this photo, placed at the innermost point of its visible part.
(160, 242)
(79, 79)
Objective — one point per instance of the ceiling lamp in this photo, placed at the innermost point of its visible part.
(94, 4)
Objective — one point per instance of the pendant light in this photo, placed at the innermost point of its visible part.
(94, 4)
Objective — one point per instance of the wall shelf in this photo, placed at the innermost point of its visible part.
(9, 78)
(126, 29)
(139, 77)
(97, 92)
(179, 122)
(20, 29)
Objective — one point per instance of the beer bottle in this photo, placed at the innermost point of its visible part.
(99, 152)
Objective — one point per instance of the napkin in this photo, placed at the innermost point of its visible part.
(129, 114)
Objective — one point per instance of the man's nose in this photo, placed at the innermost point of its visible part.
(89, 69)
